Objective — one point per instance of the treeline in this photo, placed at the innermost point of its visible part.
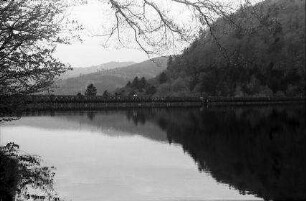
(138, 87)
(19, 101)
(259, 51)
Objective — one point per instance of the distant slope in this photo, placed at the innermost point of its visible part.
(76, 72)
(111, 79)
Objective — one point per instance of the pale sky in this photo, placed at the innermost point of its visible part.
(91, 51)
(96, 17)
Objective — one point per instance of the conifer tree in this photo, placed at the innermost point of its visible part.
(91, 90)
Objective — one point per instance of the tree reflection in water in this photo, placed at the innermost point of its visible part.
(22, 177)
(256, 151)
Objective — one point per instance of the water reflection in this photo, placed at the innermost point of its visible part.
(91, 115)
(258, 151)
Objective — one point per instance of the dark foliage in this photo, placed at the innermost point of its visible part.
(162, 78)
(139, 87)
(29, 34)
(106, 94)
(260, 51)
(91, 90)
(20, 172)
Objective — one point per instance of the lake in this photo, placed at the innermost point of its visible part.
(184, 154)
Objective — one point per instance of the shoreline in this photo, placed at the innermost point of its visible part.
(73, 103)
(96, 105)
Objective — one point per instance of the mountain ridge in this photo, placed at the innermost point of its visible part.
(77, 71)
(111, 79)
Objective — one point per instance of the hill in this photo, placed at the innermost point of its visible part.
(111, 79)
(257, 51)
(76, 72)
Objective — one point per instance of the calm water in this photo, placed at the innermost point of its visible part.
(167, 155)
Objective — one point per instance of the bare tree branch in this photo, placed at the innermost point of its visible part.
(154, 28)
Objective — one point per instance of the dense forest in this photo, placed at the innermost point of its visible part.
(257, 51)
(139, 87)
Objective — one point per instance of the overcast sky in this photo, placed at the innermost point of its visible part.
(91, 51)
(94, 17)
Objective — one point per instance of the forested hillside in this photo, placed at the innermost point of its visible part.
(77, 71)
(111, 79)
(257, 51)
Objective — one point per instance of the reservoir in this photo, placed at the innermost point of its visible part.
(184, 154)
